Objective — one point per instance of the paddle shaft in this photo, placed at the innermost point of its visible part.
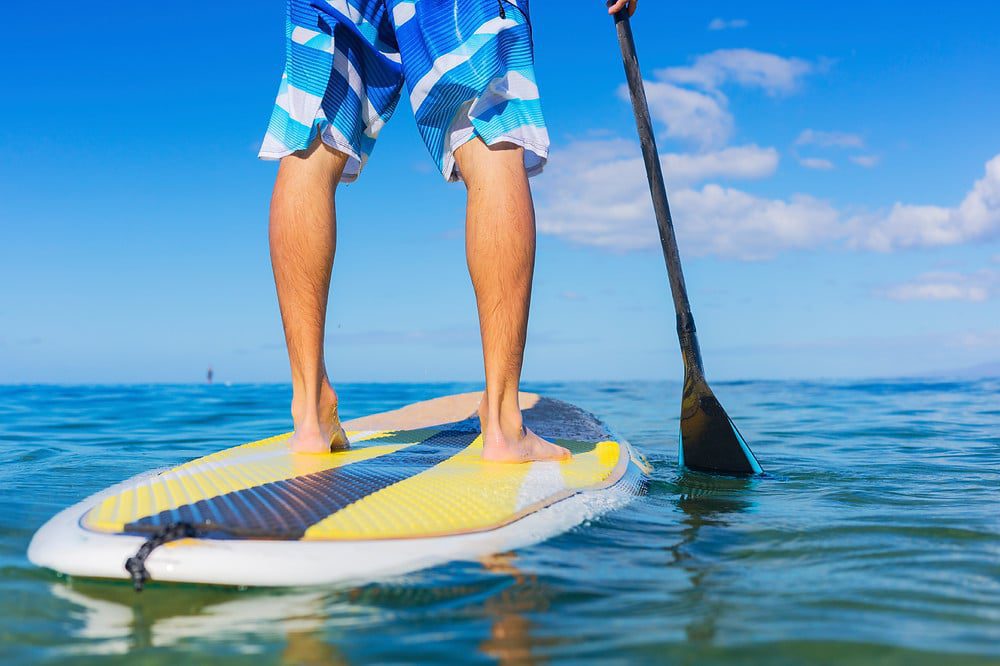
(686, 332)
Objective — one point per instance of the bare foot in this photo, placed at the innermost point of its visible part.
(515, 443)
(524, 448)
(318, 440)
(317, 428)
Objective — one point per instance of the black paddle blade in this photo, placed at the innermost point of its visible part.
(710, 441)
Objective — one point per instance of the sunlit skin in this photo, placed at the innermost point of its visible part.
(618, 5)
(303, 237)
(500, 251)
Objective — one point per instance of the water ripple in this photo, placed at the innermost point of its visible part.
(874, 536)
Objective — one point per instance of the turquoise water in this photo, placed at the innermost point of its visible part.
(875, 536)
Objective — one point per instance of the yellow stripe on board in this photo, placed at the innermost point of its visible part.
(460, 494)
(593, 467)
(234, 469)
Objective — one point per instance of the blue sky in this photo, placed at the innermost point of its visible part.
(827, 169)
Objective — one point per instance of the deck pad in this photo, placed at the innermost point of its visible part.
(389, 485)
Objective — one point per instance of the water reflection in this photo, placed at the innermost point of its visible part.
(308, 648)
(112, 619)
(709, 503)
(511, 640)
(116, 620)
(504, 598)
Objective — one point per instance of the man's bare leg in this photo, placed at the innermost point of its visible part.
(500, 250)
(303, 235)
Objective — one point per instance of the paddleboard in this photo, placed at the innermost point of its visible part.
(411, 492)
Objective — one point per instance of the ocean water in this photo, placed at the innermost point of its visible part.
(874, 537)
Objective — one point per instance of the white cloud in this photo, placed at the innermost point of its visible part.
(688, 114)
(712, 220)
(816, 163)
(947, 286)
(596, 194)
(989, 339)
(824, 139)
(906, 225)
(723, 24)
(731, 223)
(811, 137)
(937, 291)
(748, 162)
(603, 164)
(867, 161)
(747, 67)
(689, 103)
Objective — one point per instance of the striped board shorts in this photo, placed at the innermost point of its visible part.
(468, 66)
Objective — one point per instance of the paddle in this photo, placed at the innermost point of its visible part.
(710, 441)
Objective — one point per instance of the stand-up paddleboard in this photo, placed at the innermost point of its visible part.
(411, 492)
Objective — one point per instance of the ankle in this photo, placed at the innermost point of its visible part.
(511, 423)
(505, 418)
(310, 408)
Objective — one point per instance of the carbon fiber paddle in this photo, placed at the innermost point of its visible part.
(709, 439)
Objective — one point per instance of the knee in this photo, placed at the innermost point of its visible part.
(318, 165)
(476, 161)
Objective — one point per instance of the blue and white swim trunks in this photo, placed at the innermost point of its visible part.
(468, 66)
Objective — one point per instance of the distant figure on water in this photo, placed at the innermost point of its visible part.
(209, 375)
(469, 69)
